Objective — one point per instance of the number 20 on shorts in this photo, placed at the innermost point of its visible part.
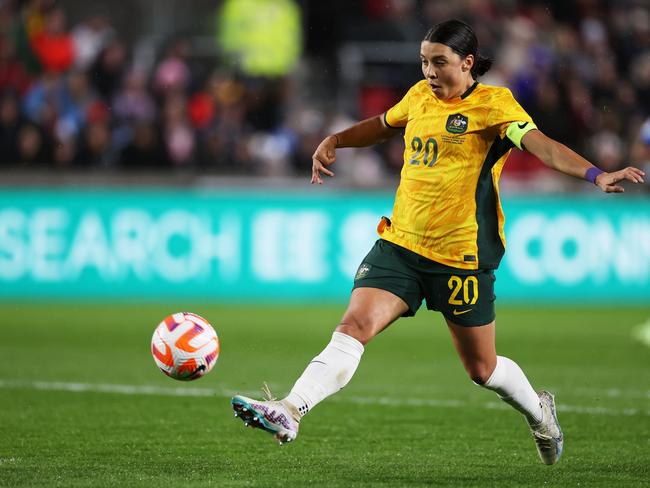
(469, 287)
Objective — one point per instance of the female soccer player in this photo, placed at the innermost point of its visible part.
(445, 237)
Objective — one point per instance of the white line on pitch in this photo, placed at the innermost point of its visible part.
(111, 388)
(224, 392)
(603, 392)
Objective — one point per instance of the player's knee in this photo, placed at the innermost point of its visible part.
(479, 380)
(479, 373)
(358, 327)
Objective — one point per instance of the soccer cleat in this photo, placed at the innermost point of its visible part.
(547, 433)
(273, 416)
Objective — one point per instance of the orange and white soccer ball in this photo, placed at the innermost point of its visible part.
(185, 346)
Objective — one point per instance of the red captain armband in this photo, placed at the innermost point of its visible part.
(592, 174)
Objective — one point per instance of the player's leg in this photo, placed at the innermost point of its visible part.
(467, 302)
(385, 288)
(477, 351)
(369, 312)
(476, 348)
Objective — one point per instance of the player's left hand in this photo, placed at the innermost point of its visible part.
(607, 181)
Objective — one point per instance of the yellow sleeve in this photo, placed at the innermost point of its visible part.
(398, 115)
(505, 111)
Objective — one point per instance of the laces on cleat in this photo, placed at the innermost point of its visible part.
(266, 391)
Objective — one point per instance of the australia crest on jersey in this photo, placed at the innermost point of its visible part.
(362, 271)
(457, 124)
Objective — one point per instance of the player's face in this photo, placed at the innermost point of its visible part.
(447, 73)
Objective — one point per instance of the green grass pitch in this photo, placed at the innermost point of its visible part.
(410, 417)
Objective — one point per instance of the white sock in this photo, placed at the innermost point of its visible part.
(327, 373)
(512, 386)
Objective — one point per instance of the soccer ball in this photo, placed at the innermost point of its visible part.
(185, 346)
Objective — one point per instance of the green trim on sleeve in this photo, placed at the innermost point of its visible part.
(387, 124)
(517, 130)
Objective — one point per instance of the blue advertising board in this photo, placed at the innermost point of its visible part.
(293, 246)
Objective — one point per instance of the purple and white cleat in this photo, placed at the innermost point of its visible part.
(273, 416)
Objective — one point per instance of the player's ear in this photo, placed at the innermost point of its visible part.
(468, 62)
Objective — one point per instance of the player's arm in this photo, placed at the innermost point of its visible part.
(559, 157)
(365, 133)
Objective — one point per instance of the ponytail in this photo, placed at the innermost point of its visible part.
(481, 66)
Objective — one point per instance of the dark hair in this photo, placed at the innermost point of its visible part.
(460, 37)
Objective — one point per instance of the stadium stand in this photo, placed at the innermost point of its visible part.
(84, 97)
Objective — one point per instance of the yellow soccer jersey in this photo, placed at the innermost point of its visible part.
(447, 204)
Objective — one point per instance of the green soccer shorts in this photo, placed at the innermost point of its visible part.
(465, 297)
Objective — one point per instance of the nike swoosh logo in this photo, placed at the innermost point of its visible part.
(461, 312)
(521, 126)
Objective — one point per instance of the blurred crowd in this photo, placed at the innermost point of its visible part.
(74, 96)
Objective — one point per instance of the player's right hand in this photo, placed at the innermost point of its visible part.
(324, 155)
